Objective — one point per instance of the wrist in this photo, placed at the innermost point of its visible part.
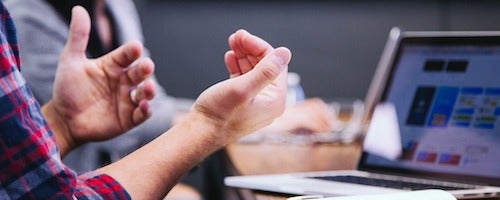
(60, 129)
(212, 131)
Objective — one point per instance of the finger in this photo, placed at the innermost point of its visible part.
(142, 112)
(133, 96)
(256, 47)
(248, 49)
(267, 70)
(320, 124)
(244, 44)
(79, 31)
(239, 54)
(143, 70)
(245, 65)
(232, 64)
(122, 57)
(319, 113)
(234, 45)
(145, 91)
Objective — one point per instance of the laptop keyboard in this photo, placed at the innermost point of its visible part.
(398, 184)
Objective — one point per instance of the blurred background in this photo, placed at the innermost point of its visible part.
(336, 44)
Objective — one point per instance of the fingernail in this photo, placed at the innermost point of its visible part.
(281, 56)
(279, 59)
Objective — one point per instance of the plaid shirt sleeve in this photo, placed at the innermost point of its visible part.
(30, 163)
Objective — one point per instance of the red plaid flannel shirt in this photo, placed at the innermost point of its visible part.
(30, 163)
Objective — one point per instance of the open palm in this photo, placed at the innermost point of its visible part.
(97, 91)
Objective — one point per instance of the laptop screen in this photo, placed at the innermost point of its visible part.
(446, 91)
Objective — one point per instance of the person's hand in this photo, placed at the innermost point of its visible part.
(247, 50)
(93, 97)
(251, 99)
(255, 94)
(309, 116)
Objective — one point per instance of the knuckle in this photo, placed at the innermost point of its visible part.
(270, 71)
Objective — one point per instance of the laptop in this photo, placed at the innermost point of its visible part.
(445, 88)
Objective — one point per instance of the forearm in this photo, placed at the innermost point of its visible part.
(151, 171)
(59, 128)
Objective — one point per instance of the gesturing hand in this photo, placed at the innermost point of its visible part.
(92, 96)
(255, 94)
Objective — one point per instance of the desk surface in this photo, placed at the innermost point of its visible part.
(265, 158)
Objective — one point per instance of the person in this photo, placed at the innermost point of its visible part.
(39, 24)
(115, 22)
(33, 138)
(31, 167)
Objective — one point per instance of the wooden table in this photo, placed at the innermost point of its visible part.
(265, 158)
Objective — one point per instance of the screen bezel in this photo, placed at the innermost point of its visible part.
(428, 38)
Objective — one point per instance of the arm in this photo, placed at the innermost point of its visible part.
(28, 148)
(38, 25)
(221, 114)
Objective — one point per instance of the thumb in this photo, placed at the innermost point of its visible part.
(79, 31)
(267, 70)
